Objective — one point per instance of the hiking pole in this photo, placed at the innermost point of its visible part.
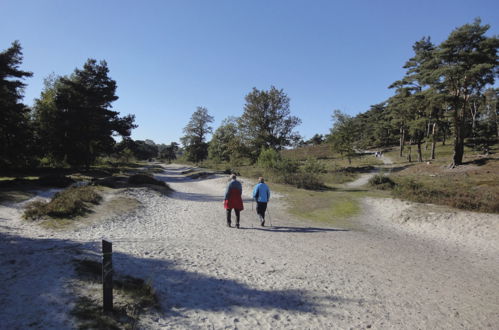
(270, 217)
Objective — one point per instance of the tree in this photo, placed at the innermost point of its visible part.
(15, 129)
(226, 143)
(317, 139)
(343, 134)
(196, 131)
(168, 152)
(267, 121)
(80, 118)
(411, 104)
(462, 66)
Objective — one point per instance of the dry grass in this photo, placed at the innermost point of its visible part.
(471, 186)
(131, 297)
(65, 204)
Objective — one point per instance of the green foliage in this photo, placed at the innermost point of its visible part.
(16, 134)
(226, 144)
(268, 159)
(65, 204)
(266, 121)
(314, 166)
(168, 152)
(462, 66)
(343, 134)
(75, 110)
(194, 140)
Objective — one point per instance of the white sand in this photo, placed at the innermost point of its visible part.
(392, 274)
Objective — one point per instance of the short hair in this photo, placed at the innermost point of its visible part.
(261, 179)
(233, 176)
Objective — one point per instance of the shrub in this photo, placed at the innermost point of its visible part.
(304, 180)
(314, 166)
(67, 203)
(380, 181)
(35, 210)
(268, 159)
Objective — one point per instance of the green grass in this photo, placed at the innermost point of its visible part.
(328, 207)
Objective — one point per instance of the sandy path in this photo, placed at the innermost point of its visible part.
(293, 276)
(364, 178)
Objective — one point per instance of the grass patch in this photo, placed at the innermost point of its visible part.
(330, 207)
(131, 295)
(65, 204)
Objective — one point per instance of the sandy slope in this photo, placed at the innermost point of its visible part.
(390, 275)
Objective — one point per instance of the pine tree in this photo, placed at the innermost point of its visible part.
(16, 135)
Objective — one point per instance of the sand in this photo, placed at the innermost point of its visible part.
(409, 266)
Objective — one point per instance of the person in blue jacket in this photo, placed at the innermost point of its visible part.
(261, 193)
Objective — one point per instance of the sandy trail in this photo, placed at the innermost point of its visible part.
(294, 275)
(364, 178)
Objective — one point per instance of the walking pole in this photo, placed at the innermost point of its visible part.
(270, 218)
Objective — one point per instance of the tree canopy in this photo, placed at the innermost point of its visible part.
(196, 132)
(16, 135)
(267, 121)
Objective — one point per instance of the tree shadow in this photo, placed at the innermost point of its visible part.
(35, 273)
(289, 229)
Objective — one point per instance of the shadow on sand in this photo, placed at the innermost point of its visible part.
(25, 263)
(288, 229)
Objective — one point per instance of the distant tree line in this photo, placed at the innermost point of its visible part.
(447, 92)
(266, 123)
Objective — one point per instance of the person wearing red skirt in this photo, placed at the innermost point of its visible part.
(233, 200)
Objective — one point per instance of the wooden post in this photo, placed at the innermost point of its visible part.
(107, 275)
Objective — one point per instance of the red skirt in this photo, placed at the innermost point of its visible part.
(234, 201)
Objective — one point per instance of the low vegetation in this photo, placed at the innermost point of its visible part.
(131, 297)
(65, 204)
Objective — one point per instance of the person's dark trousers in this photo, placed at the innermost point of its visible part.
(238, 213)
(261, 207)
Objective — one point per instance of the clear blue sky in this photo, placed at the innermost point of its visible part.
(168, 57)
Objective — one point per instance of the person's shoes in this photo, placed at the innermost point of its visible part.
(262, 223)
(228, 224)
(237, 225)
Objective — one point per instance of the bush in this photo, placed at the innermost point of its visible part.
(304, 180)
(139, 179)
(268, 159)
(67, 203)
(314, 166)
(380, 181)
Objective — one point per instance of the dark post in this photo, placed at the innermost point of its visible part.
(107, 275)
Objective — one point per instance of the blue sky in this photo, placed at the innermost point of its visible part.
(168, 57)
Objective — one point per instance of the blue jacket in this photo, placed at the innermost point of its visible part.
(261, 193)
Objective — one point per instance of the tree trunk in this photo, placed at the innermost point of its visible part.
(409, 155)
(457, 157)
(434, 140)
(402, 141)
(420, 155)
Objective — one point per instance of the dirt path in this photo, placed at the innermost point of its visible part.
(364, 178)
(292, 276)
